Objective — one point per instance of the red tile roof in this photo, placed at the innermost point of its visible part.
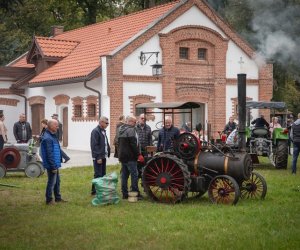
(94, 40)
(52, 47)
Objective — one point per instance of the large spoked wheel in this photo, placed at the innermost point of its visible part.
(2, 171)
(33, 170)
(254, 188)
(166, 179)
(223, 189)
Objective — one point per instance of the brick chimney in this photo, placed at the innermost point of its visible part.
(56, 30)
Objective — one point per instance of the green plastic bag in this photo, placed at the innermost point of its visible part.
(106, 190)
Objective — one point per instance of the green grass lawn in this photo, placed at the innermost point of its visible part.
(27, 223)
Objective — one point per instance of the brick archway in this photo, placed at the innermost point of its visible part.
(61, 99)
(134, 100)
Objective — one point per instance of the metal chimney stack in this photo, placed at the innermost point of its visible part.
(242, 111)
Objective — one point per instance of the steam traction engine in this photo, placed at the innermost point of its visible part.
(195, 167)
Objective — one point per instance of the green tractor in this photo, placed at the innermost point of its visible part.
(261, 143)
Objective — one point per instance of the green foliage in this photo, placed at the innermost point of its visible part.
(286, 88)
(27, 223)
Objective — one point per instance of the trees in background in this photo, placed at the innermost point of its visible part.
(271, 27)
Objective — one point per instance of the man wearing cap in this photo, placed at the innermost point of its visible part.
(59, 137)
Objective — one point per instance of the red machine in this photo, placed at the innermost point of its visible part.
(20, 157)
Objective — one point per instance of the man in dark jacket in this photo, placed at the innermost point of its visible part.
(100, 149)
(167, 135)
(260, 122)
(50, 151)
(295, 137)
(128, 154)
(22, 130)
(144, 134)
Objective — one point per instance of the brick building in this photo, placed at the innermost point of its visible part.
(97, 69)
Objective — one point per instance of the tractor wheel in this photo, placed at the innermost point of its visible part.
(281, 157)
(223, 189)
(166, 179)
(255, 187)
(33, 169)
(2, 171)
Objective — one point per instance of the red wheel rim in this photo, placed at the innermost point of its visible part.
(164, 180)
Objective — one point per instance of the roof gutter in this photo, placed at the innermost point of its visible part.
(25, 100)
(88, 78)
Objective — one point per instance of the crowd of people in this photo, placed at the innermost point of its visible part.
(133, 136)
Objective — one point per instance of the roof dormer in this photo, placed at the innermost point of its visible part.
(45, 52)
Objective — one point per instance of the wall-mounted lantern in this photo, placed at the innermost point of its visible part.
(157, 67)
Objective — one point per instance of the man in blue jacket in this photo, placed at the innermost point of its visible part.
(167, 135)
(51, 156)
(100, 149)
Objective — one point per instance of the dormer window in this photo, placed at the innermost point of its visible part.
(183, 53)
(202, 54)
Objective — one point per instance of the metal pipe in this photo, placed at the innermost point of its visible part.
(242, 111)
(99, 96)
(25, 99)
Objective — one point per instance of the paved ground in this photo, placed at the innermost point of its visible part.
(83, 158)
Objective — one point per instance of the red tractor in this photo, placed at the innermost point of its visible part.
(196, 166)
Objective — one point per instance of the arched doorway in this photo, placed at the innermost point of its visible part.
(65, 127)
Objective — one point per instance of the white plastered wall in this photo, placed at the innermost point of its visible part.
(233, 67)
(79, 131)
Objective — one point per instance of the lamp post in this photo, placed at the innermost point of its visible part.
(156, 67)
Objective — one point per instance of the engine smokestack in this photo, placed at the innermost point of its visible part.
(242, 111)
